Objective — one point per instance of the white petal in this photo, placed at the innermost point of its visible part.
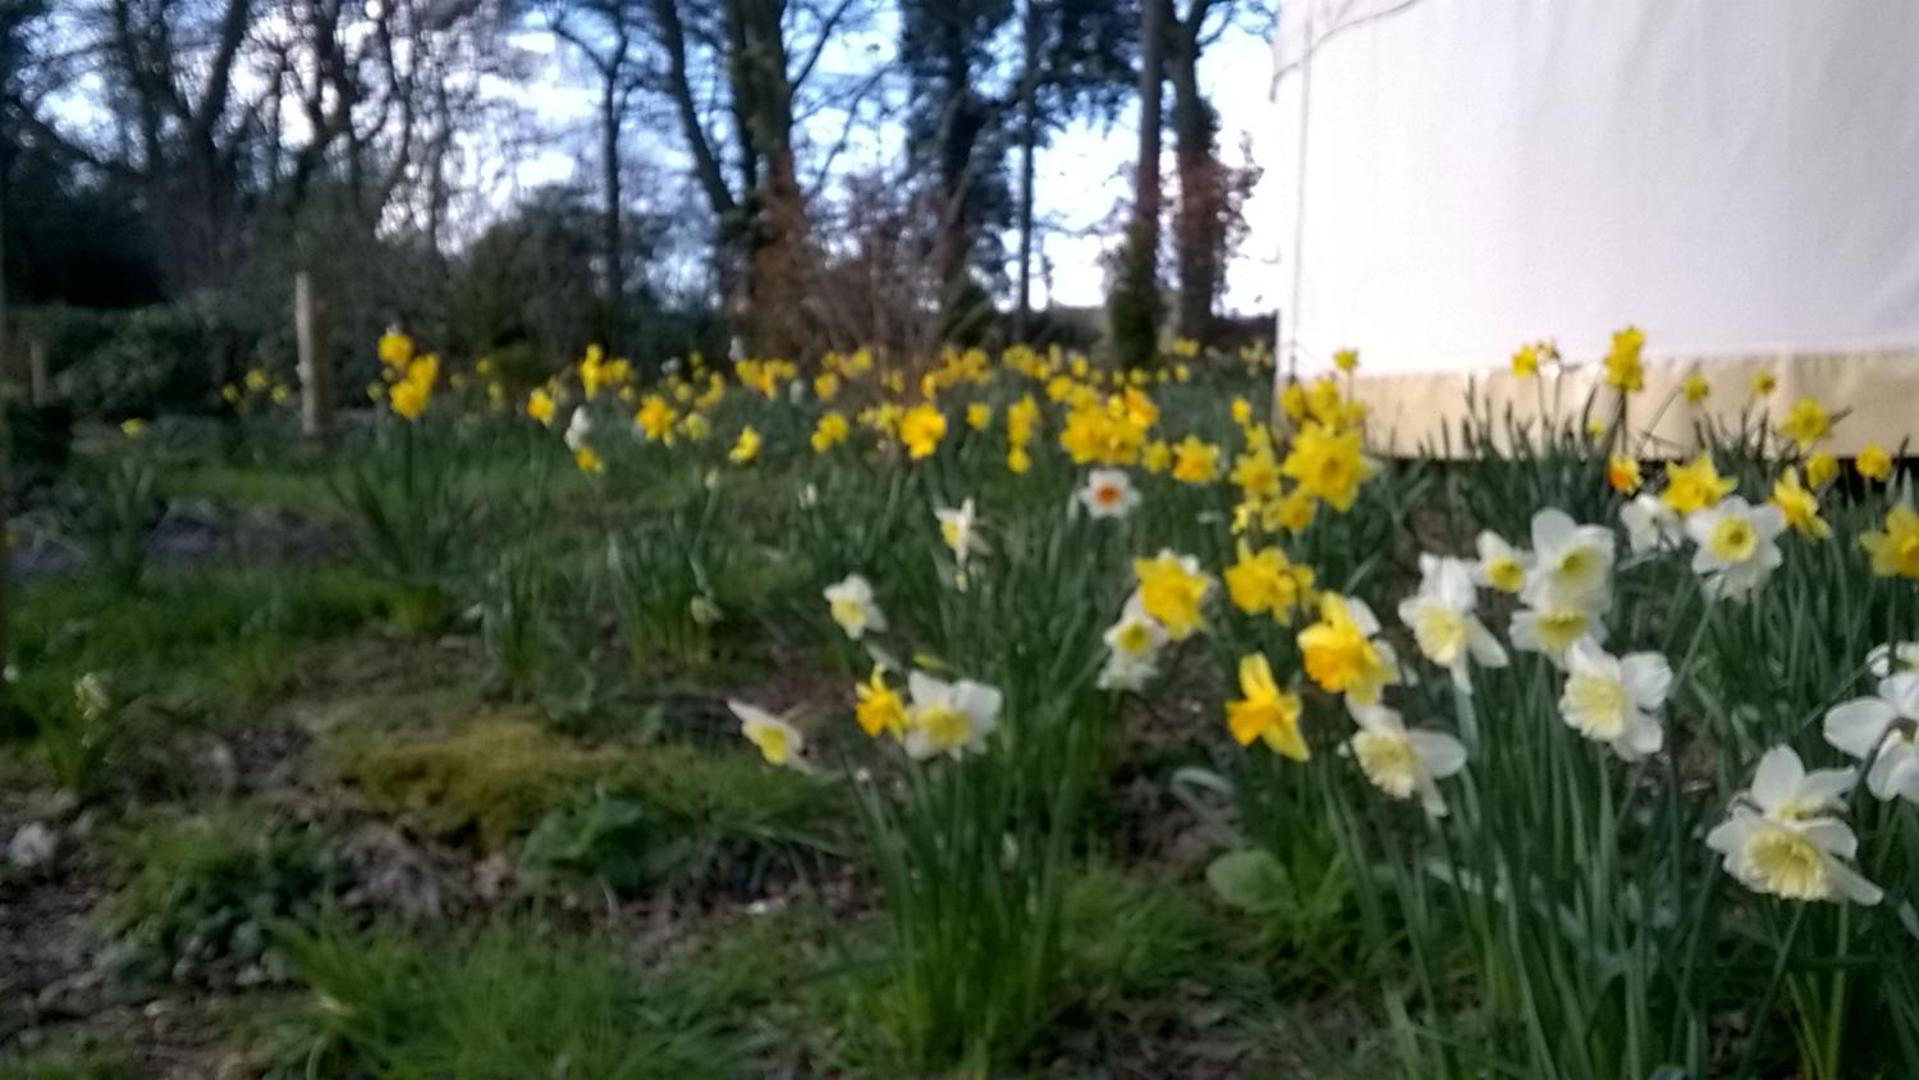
(1552, 528)
(1442, 754)
(1486, 649)
(1832, 836)
(1778, 777)
(980, 703)
(1853, 886)
(926, 690)
(1902, 691)
(1648, 678)
(1857, 726)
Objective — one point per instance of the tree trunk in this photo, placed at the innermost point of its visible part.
(1134, 308)
(613, 227)
(1199, 221)
(1029, 136)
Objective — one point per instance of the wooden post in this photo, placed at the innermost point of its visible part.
(316, 378)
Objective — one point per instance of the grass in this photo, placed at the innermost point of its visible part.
(391, 1002)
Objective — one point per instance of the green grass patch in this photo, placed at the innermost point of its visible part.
(506, 1001)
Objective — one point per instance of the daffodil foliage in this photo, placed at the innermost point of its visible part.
(1588, 755)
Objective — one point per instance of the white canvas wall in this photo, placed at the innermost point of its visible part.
(1740, 178)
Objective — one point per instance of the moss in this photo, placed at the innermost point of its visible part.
(496, 777)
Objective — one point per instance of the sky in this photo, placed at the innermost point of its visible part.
(1083, 178)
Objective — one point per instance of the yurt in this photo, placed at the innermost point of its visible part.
(1736, 178)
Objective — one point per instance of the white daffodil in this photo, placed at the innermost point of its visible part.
(1881, 729)
(1134, 643)
(578, 428)
(1651, 524)
(779, 742)
(1785, 792)
(960, 529)
(1738, 546)
(1554, 629)
(1402, 762)
(1571, 562)
(1501, 566)
(1613, 699)
(1893, 658)
(1780, 840)
(1108, 493)
(949, 718)
(1441, 618)
(853, 607)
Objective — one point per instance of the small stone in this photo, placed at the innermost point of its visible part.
(33, 846)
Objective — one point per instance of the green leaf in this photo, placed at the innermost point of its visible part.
(1251, 880)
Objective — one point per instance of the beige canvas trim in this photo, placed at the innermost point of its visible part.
(1878, 394)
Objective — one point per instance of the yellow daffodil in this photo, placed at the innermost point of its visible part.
(1800, 506)
(1346, 360)
(831, 430)
(1764, 384)
(1696, 388)
(1895, 549)
(1624, 370)
(1172, 590)
(1806, 423)
(878, 707)
(1874, 463)
(1018, 461)
(1525, 362)
(1156, 457)
(1340, 654)
(1622, 474)
(1266, 712)
(1257, 473)
(979, 416)
(746, 448)
(588, 461)
(1266, 582)
(695, 426)
(1293, 511)
(826, 386)
(133, 428)
(539, 406)
(921, 430)
(396, 349)
(1695, 485)
(1821, 469)
(656, 418)
(1195, 461)
(1242, 411)
(1327, 463)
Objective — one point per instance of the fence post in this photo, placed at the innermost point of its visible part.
(316, 379)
